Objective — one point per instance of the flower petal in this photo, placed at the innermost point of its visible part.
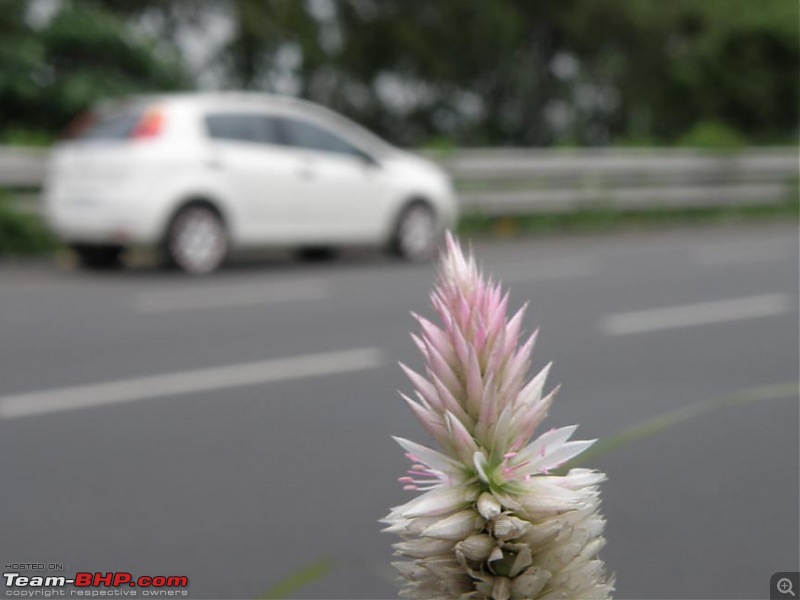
(455, 527)
(432, 458)
(440, 501)
(551, 439)
(560, 455)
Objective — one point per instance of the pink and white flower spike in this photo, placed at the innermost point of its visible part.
(492, 521)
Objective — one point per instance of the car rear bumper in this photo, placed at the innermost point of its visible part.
(110, 217)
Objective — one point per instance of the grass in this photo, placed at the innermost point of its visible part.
(23, 234)
(668, 420)
(602, 219)
(298, 580)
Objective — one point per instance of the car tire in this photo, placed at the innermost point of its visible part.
(196, 241)
(416, 234)
(98, 257)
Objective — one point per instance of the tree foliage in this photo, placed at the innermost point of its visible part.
(486, 72)
(679, 64)
(82, 54)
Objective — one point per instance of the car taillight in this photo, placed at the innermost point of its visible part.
(149, 126)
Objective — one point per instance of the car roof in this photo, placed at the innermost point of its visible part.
(247, 99)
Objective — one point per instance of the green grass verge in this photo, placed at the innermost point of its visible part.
(23, 234)
(601, 219)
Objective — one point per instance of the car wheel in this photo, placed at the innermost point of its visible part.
(416, 233)
(196, 240)
(98, 257)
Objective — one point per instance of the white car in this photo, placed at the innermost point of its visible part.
(203, 175)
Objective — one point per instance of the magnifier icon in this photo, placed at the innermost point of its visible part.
(784, 586)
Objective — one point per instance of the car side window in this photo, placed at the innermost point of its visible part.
(242, 127)
(302, 134)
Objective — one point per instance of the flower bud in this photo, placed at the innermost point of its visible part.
(496, 555)
(529, 583)
(501, 590)
(488, 506)
(507, 527)
(476, 547)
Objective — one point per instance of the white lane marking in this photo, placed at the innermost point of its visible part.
(688, 315)
(222, 297)
(184, 382)
(564, 268)
(743, 253)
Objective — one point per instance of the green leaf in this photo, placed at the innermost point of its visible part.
(670, 419)
(287, 586)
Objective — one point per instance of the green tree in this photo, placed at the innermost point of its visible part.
(20, 57)
(532, 73)
(680, 64)
(504, 72)
(81, 55)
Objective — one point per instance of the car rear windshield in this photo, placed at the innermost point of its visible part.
(115, 126)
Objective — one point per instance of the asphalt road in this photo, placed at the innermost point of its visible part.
(235, 429)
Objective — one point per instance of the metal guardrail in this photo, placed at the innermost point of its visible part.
(508, 181)
(22, 167)
(517, 181)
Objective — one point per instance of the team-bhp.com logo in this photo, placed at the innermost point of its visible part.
(88, 584)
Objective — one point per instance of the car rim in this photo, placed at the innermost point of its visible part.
(417, 234)
(198, 242)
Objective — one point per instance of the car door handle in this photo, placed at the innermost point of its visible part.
(306, 173)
